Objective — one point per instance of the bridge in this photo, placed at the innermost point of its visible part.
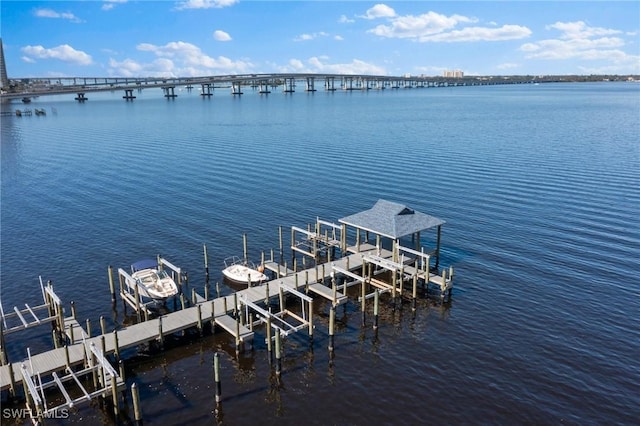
(80, 86)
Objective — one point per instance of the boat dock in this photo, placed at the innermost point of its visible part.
(374, 269)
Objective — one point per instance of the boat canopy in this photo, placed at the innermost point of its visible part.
(391, 220)
(144, 264)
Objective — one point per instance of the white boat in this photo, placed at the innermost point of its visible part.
(242, 271)
(153, 282)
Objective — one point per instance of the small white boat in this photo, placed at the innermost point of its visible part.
(153, 283)
(238, 270)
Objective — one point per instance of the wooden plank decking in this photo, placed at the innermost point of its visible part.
(136, 334)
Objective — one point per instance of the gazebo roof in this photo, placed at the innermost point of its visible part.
(391, 220)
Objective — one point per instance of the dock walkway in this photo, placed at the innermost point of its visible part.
(153, 329)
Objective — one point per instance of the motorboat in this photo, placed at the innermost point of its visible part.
(242, 271)
(152, 281)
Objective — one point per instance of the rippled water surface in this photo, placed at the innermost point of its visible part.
(539, 186)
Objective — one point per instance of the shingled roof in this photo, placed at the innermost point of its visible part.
(391, 220)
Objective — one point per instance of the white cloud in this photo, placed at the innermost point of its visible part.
(50, 13)
(220, 35)
(578, 41)
(379, 11)
(338, 38)
(204, 4)
(307, 37)
(63, 53)
(506, 32)
(415, 27)
(345, 20)
(110, 4)
(508, 65)
(179, 59)
(321, 65)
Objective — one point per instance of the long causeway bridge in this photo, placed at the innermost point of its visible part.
(264, 83)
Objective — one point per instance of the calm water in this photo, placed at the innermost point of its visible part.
(539, 185)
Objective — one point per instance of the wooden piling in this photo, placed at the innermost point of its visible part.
(114, 396)
(116, 344)
(414, 293)
(216, 375)
(88, 328)
(311, 320)
(112, 287)
(268, 330)
(103, 325)
(332, 320)
(160, 333)
(244, 248)
(199, 307)
(278, 354)
(137, 413)
(376, 301)
(363, 304)
(12, 389)
(206, 264)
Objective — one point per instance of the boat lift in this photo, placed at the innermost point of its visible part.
(278, 320)
(106, 381)
(317, 241)
(130, 287)
(29, 316)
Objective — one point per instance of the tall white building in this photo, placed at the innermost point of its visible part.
(453, 73)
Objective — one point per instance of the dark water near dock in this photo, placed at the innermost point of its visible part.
(539, 185)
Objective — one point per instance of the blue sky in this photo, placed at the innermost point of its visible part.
(215, 37)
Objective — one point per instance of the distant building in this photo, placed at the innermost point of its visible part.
(453, 73)
(4, 79)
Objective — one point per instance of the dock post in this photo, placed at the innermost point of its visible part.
(103, 326)
(206, 265)
(363, 304)
(213, 317)
(280, 238)
(88, 328)
(376, 301)
(311, 320)
(245, 250)
(206, 291)
(217, 289)
(393, 289)
(278, 354)
(199, 307)
(281, 294)
(415, 290)
(237, 336)
(216, 376)
(112, 287)
(137, 296)
(12, 389)
(56, 344)
(332, 320)
(235, 305)
(194, 299)
(137, 413)
(116, 345)
(114, 396)
(268, 330)
(160, 334)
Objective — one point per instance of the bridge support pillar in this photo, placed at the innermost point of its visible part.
(236, 89)
(311, 84)
(169, 92)
(128, 95)
(329, 84)
(264, 87)
(81, 97)
(289, 85)
(206, 89)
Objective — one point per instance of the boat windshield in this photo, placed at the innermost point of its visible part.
(162, 274)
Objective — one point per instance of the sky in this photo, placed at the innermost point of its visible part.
(186, 38)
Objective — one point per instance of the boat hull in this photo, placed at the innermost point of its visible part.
(243, 274)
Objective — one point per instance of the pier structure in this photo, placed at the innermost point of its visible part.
(341, 256)
(207, 89)
(128, 95)
(169, 92)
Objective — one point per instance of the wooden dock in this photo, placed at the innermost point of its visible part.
(153, 329)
